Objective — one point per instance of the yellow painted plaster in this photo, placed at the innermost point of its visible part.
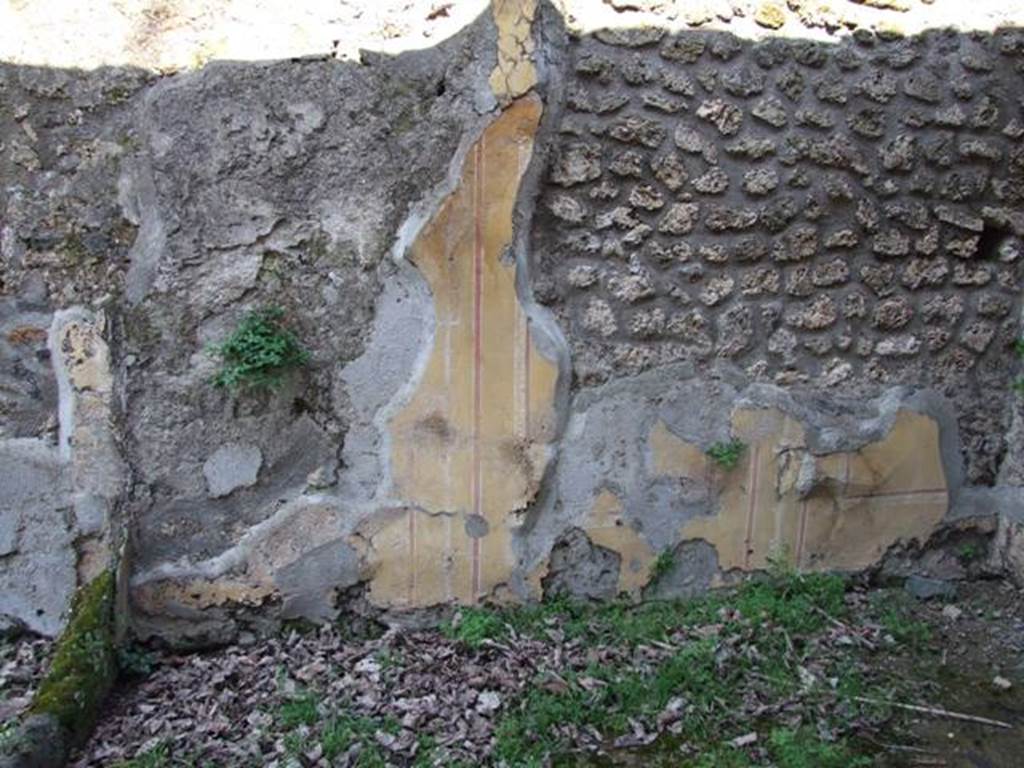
(861, 503)
(514, 74)
(607, 528)
(473, 440)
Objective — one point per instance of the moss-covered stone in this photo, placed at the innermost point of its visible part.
(84, 664)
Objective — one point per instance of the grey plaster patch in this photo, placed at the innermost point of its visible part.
(309, 586)
(694, 566)
(580, 569)
(37, 572)
(477, 526)
(232, 466)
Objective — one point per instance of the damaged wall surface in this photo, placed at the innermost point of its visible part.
(541, 268)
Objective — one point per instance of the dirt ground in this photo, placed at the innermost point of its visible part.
(795, 673)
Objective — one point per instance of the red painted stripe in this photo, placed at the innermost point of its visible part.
(526, 388)
(478, 244)
(751, 508)
(412, 557)
(801, 536)
(894, 494)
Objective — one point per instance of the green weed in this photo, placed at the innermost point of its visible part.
(802, 749)
(727, 454)
(662, 564)
(301, 709)
(259, 352)
(968, 553)
(473, 626)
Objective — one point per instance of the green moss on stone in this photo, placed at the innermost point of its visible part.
(84, 664)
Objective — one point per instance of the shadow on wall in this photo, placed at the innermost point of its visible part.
(729, 233)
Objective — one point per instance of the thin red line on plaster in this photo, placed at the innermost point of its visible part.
(892, 494)
(752, 495)
(801, 537)
(412, 556)
(526, 387)
(478, 214)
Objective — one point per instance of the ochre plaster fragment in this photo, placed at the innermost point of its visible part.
(607, 528)
(856, 506)
(474, 439)
(514, 74)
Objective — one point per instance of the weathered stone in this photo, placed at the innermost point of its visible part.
(821, 313)
(798, 282)
(720, 218)
(993, 306)
(726, 117)
(854, 305)
(583, 276)
(647, 197)
(714, 181)
(690, 140)
(832, 89)
(629, 164)
(735, 331)
(598, 318)
(230, 467)
(638, 130)
(760, 181)
(913, 215)
(685, 48)
(743, 82)
(755, 149)
(923, 86)
(568, 209)
(925, 272)
(630, 37)
(892, 314)
(576, 164)
(796, 245)
(662, 103)
(647, 323)
(879, 86)
(899, 154)
(963, 247)
(716, 290)
(868, 122)
(633, 287)
(924, 588)
(815, 118)
(898, 346)
(791, 83)
(965, 275)
(951, 117)
(942, 309)
(670, 171)
(579, 569)
(842, 238)
(977, 336)
(892, 242)
(770, 14)
(771, 111)
(679, 219)
(879, 278)
(830, 273)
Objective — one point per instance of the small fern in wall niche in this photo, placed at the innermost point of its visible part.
(1018, 383)
(259, 352)
(726, 455)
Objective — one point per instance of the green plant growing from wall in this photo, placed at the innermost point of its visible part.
(662, 564)
(259, 352)
(1018, 383)
(726, 454)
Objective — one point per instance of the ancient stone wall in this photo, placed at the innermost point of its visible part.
(840, 215)
(543, 263)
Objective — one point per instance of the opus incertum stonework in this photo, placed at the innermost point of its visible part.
(582, 285)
